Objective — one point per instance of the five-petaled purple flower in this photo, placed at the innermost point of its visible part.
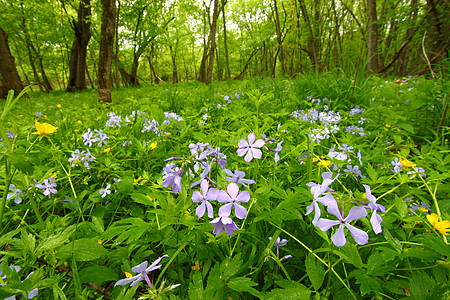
(143, 273)
(48, 186)
(355, 213)
(233, 197)
(173, 178)
(203, 197)
(106, 191)
(222, 222)
(375, 219)
(317, 190)
(15, 192)
(279, 243)
(250, 148)
(237, 177)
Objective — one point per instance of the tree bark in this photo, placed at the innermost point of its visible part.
(116, 56)
(225, 40)
(209, 74)
(313, 37)
(77, 65)
(372, 37)
(106, 51)
(173, 55)
(8, 70)
(279, 40)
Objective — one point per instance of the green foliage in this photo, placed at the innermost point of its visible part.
(80, 239)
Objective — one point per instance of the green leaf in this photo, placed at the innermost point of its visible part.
(55, 240)
(290, 290)
(196, 286)
(350, 253)
(367, 283)
(407, 127)
(82, 250)
(230, 268)
(376, 265)
(141, 198)
(125, 184)
(393, 241)
(315, 271)
(243, 284)
(97, 275)
(23, 161)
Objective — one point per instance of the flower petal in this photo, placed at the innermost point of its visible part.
(339, 237)
(325, 224)
(355, 213)
(376, 222)
(240, 211)
(225, 210)
(249, 156)
(251, 138)
(233, 190)
(200, 211)
(243, 197)
(360, 236)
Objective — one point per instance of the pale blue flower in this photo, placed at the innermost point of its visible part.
(142, 271)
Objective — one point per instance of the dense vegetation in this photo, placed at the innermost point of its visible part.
(232, 189)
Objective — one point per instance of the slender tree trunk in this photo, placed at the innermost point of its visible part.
(106, 51)
(313, 34)
(173, 55)
(209, 74)
(8, 70)
(225, 40)
(279, 40)
(372, 37)
(116, 56)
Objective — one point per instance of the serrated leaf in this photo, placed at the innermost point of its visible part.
(290, 290)
(55, 240)
(367, 283)
(315, 271)
(141, 198)
(376, 265)
(243, 284)
(82, 250)
(97, 275)
(350, 253)
(196, 286)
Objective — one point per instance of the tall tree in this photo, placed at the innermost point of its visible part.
(372, 37)
(105, 55)
(77, 64)
(212, 49)
(225, 43)
(8, 70)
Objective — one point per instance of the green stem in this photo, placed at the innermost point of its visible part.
(318, 257)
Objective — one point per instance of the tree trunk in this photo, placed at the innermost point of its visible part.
(438, 30)
(209, 74)
(8, 70)
(77, 66)
(279, 40)
(313, 32)
(173, 55)
(372, 37)
(106, 51)
(116, 56)
(225, 40)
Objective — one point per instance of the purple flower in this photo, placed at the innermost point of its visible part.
(102, 137)
(222, 222)
(88, 138)
(317, 190)
(16, 193)
(143, 273)
(250, 148)
(355, 213)
(48, 186)
(238, 177)
(279, 243)
(233, 197)
(397, 165)
(375, 219)
(172, 178)
(276, 150)
(203, 197)
(106, 191)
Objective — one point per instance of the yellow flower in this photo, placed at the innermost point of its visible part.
(128, 275)
(99, 241)
(196, 266)
(43, 128)
(168, 133)
(387, 125)
(79, 122)
(324, 163)
(153, 145)
(107, 150)
(58, 105)
(406, 163)
(443, 226)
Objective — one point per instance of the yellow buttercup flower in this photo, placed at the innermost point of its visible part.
(128, 275)
(43, 128)
(442, 226)
(153, 145)
(324, 163)
(79, 122)
(406, 163)
(58, 105)
(196, 266)
(107, 150)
